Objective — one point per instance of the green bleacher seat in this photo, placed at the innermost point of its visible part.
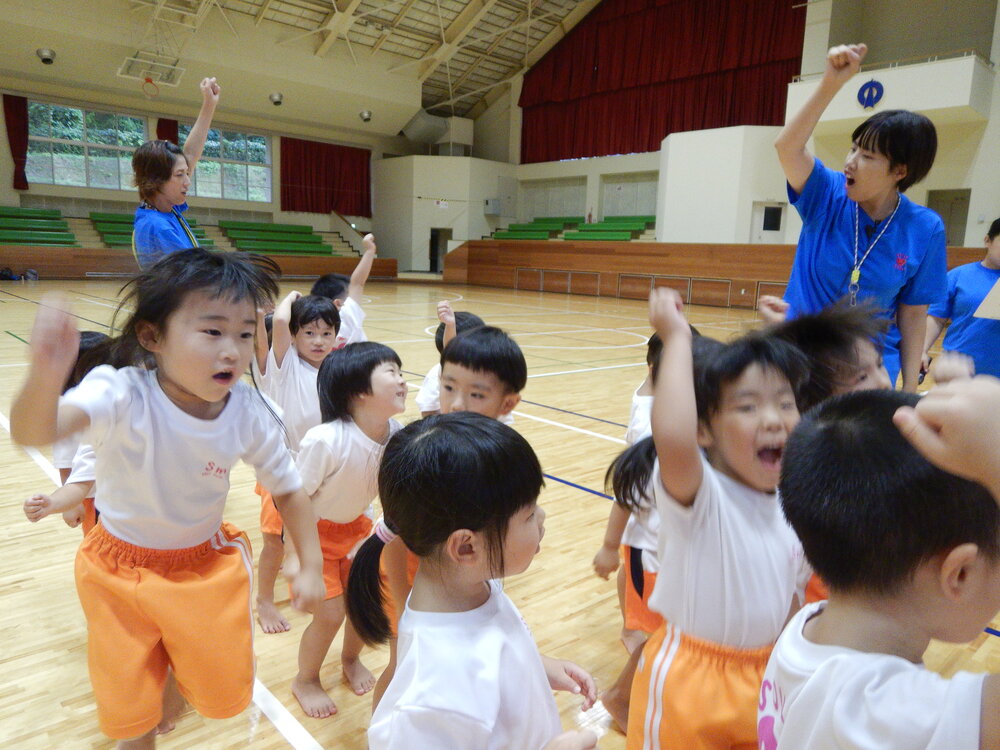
(125, 240)
(613, 226)
(506, 235)
(103, 228)
(561, 219)
(16, 212)
(298, 237)
(13, 235)
(300, 248)
(648, 220)
(264, 227)
(47, 225)
(536, 226)
(106, 218)
(612, 236)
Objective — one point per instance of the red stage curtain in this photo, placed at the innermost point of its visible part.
(15, 113)
(634, 71)
(321, 177)
(166, 130)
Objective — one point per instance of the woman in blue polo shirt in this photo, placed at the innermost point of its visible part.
(968, 285)
(162, 173)
(861, 237)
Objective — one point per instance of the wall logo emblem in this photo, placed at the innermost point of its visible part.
(870, 94)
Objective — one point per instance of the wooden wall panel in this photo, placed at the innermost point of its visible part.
(585, 283)
(529, 279)
(775, 290)
(743, 293)
(634, 287)
(555, 281)
(713, 292)
(681, 286)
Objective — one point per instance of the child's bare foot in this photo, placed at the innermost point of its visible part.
(616, 704)
(313, 698)
(358, 677)
(173, 706)
(270, 618)
(633, 639)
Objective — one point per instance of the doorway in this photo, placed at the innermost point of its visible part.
(440, 237)
(767, 223)
(953, 208)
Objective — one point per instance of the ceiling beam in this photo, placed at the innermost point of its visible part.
(337, 23)
(464, 22)
(263, 9)
(391, 27)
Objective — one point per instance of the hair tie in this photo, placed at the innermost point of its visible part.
(383, 532)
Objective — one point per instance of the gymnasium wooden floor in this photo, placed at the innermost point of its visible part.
(585, 357)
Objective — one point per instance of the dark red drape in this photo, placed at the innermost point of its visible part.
(634, 71)
(321, 177)
(166, 130)
(15, 114)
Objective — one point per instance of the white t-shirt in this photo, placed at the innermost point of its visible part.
(730, 564)
(293, 387)
(162, 474)
(63, 452)
(84, 465)
(466, 680)
(339, 467)
(429, 397)
(833, 698)
(639, 418)
(352, 317)
(642, 530)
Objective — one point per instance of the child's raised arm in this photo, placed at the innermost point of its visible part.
(36, 418)
(447, 316)
(260, 342)
(675, 413)
(194, 144)
(360, 276)
(281, 333)
(841, 64)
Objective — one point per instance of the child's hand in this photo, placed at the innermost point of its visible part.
(445, 313)
(573, 741)
(55, 341)
(210, 91)
(368, 243)
(955, 426)
(37, 507)
(565, 675)
(666, 313)
(843, 62)
(308, 590)
(951, 366)
(74, 516)
(606, 562)
(772, 309)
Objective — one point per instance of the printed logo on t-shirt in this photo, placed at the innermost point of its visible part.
(770, 709)
(901, 259)
(213, 470)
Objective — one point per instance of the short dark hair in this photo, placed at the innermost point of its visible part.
(994, 230)
(152, 165)
(438, 475)
(94, 350)
(490, 350)
(868, 508)
(313, 307)
(347, 373)
(903, 137)
(717, 366)
(654, 346)
(464, 321)
(332, 285)
(829, 339)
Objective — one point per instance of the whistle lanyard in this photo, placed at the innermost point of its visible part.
(854, 286)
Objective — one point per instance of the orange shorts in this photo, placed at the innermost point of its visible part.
(337, 540)
(147, 610)
(89, 515)
(270, 519)
(639, 584)
(816, 590)
(691, 694)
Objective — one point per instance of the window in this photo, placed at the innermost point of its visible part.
(234, 165)
(85, 148)
(772, 219)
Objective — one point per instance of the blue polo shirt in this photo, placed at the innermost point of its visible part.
(158, 233)
(979, 338)
(906, 266)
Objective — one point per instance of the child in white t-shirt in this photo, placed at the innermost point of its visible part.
(731, 569)
(74, 499)
(910, 553)
(347, 292)
(452, 323)
(461, 490)
(303, 332)
(361, 387)
(164, 583)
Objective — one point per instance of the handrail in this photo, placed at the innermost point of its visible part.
(345, 220)
(950, 55)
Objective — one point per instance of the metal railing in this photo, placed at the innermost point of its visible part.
(950, 55)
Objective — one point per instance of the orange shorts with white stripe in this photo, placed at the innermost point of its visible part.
(639, 584)
(692, 694)
(149, 609)
(336, 540)
(270, 519)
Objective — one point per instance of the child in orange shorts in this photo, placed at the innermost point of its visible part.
(164, 583)
(360, 387)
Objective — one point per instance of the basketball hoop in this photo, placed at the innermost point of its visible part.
(149, 89)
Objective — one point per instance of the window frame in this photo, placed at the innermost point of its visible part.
(223, 161)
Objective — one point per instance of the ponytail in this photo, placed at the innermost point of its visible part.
(365, 597)
(628, 476)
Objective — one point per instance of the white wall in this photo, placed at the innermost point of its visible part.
(628, 194)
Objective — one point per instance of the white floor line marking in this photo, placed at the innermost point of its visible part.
(570, 427)
(588, 369)
(289, 727)
(16, 364)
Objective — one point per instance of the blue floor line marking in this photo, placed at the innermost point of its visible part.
(580, 487)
